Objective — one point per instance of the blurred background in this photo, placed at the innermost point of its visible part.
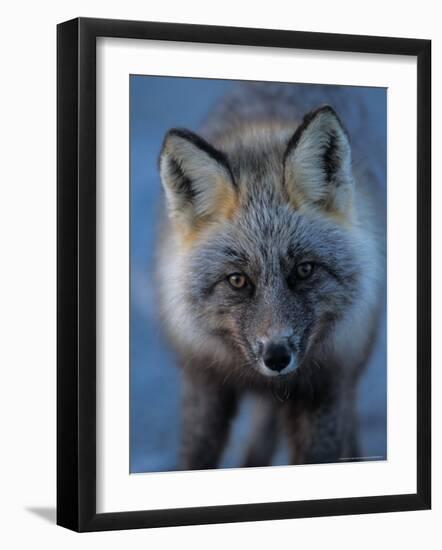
(157, 104)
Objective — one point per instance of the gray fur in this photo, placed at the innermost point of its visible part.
(327, 322)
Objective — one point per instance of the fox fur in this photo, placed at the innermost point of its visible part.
(271, 270)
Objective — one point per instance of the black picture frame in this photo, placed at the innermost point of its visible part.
(76, 273)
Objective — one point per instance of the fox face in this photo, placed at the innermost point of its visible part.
(264, 231)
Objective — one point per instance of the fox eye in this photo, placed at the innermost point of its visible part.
(237, 281)
(304, 270)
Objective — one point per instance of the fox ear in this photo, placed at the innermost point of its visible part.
(317, 163)
(196, 177)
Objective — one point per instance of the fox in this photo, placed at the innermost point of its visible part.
(271, 273)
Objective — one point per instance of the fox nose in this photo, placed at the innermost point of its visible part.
(276, 356)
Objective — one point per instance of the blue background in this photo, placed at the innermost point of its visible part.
(157, 104)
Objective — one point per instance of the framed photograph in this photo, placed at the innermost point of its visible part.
(243, 274)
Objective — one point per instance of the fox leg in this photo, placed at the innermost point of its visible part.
(314, 437)
(298, 427)
(328, 438)
(264, 435)
(328, 434)
(351, 447)
(207, 411)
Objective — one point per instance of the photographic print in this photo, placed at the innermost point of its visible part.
(225, 324)
(257, 274)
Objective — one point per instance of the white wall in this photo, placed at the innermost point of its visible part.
(27, 289)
